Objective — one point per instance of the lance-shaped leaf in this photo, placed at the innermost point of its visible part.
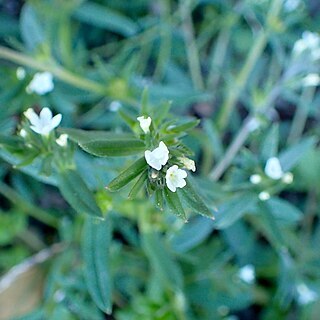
(174, 204)
(96, 241)
(127, 175)
(193, 200)
(83, 136)
(184, 126)
(138, 185)
(76, 192)
(113, 147)
(162, 260)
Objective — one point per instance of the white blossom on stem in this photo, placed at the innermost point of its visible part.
(62, 141)
(273, 168)
(175, 178)
(44, 123)
(188, 163)
(145, 123)
(41, 83)
(158, 157)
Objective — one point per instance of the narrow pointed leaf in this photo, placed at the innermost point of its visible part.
(138, 185)
(127, 175)
(174, 204)
(192, 199)
(96, 241)
(76, 192)
(113, 147)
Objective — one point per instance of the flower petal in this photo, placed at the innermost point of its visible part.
(45, 115)
(56, 120)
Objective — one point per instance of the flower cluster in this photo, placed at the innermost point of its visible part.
(310, 43)
(159, 157)
(274, 171)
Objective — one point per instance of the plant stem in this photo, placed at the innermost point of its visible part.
(235, 90)
(301, 115)
(57, 71)
(191, 47)
(27, 207)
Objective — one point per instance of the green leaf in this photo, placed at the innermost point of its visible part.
(290, 157)
(96, 241)
(127, 175)
(30, 27)
(159, 199)
(83, 136)
(76, 192)
(138, 185)
(162, 112)
(233, 209)
(192, 234)
(174, 204)
(161, 260)
(113, 147)
(105, 18)
(269, 147)
(10, 143)
(145, 102)
(184, 126)
(193, 200)
(283, 210)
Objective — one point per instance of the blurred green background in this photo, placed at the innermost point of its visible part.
(250, 71)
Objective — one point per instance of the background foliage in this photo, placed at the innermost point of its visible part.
(229, 63)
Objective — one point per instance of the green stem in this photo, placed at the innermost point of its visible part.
(57, 71)
(235, 90)
(191, 47)
(301, 115)
(27, 207)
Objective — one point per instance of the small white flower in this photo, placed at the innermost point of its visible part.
(115, 106)
(62, 141)
(291, 5)
(273, 168)
(309, 41)
(145, 124)
(264, 196)
(255, 178)
(253, 124)
(247, 274)
(311, 80)
(44, 123)
(158, 157)
(175, 178)
(41, 83)
(23, 133)
(188, 163)
(20, 73)
(305, 295)
(287, 178)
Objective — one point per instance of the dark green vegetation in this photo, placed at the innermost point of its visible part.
(249, 71)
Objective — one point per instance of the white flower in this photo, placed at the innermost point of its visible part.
(23, 133)
(175, 178)
(188, 163)
(21, 73)
(305, 295)
(273, 168)
(115, 106)
(287, 178)
(255, 179)
(264, 196)
(311, 80)
(44, 123)
(247, 273)
(62, 141)
(158, 157)
(291, 5)
(253, 124)
(145, 123)
(309, 41)
(41, 83)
